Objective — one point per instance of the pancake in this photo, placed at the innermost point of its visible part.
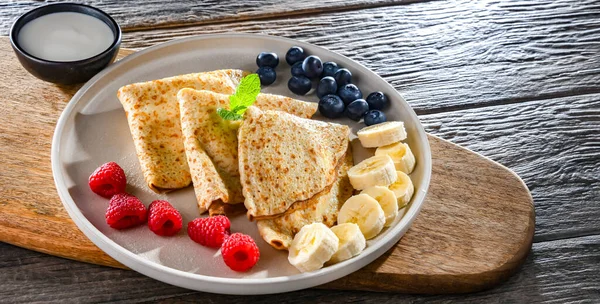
(323, 208)
(211, 143)
(220, 208)
(285, 159)
(153, 116)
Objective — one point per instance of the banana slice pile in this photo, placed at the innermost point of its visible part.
(316, 244)
(386, 192)
(376, 170)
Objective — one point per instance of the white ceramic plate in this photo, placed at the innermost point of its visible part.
(93, 130)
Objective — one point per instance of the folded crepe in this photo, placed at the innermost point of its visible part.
(220, 208)
(321, 208)
(285, 159)
(153, 115)
(211, 143)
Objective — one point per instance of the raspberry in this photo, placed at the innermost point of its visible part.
(108, 180)
(210, 231)
(222, 219)
(125, 211)
(163, 218)
(240, 252)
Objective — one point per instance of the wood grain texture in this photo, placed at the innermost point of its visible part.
(26, 181)
(450, 55)
(476, 54)
(563, 271)
(460, 240)
(475, 229)
(554, 145)
(442, 56)
(140, 14)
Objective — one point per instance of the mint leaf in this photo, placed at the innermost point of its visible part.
(245, 96)
(246, 92)
(239, 109)
(234, 101)
(228, 115)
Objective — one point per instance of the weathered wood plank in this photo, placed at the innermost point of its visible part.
(556, 272)
(142, 14)
(554, 145)
(453, 54)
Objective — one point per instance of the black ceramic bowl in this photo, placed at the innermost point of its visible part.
(65, 72)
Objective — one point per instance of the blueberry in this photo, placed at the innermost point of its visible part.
(373, 117)
(331, 106)
(327, 85)
(343, 77)
(267, 59)
(377, 101)
(356, 109)
(299, 85)
(267, 75)
(312, 66)
(294, 54)
(297, 69)
(349, 93)
(329, 69)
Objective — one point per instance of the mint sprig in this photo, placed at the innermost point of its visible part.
(244, 97)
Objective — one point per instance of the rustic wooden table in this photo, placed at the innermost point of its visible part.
(517, 81)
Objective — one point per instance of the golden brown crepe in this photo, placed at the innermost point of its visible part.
(323, 207)
(284, 159)
(212, 146)
(153, 115)
(220, 208)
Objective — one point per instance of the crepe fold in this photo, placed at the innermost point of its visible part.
(284, 159)
(153, 115)
(321, 208)
(211, 143)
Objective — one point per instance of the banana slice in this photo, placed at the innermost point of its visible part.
(382, 134)
(352, 242)
(364, 211)
(403, 188)
(403, 158)
(312, 246)
(373, 171)
(387, 200)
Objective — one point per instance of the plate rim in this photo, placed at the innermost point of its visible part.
(219, 284)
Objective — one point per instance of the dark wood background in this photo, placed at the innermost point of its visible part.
(517, 81)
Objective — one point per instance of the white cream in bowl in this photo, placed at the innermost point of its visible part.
(65, 36)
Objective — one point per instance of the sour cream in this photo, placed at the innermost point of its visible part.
(65, 36)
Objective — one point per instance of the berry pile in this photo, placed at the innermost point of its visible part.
(267, 62)
(338, 96)
(239, 251)
(125, 210)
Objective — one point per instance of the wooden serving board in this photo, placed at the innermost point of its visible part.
(474, 231)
